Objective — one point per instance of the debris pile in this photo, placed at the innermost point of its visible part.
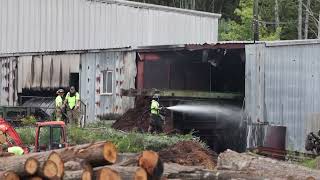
(189, 153)
(138, 118)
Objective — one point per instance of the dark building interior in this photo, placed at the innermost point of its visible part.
(208, 69)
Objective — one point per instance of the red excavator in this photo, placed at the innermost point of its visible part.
(49, 135)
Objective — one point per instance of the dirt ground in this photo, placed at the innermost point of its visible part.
(189, 153)
(138, 118)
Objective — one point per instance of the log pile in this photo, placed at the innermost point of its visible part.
(102, 161)
(54, 164)
(93, 161)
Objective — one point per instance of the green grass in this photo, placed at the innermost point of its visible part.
(125, 142)
(310, 163)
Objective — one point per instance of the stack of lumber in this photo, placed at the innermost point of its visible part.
(93, 161)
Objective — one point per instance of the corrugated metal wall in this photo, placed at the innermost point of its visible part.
(37, 72)
(43, 72)
(283, 88)
(123, 66)
(8, 81)
(59, 25)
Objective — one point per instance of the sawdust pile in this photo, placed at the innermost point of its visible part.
(189, 153)
(135, 119)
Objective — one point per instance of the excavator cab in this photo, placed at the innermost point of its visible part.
(50, 135)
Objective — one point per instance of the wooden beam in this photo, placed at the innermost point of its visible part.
(181, 94)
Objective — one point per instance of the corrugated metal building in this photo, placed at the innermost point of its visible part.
(283, 88)
(60, 25)
(50, 44)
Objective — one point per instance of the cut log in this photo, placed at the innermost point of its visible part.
(55, 157)
(150, 161)
(6, 154)
(83, 170)
(140, 174)
(35, 178)
(97, 154)
(87, 174)
(77, 164)
(257, 166)
(107, 174)
(124, 158)
(49, 170)
(126, 173)
(128, 159)
(110, 152)
(72, 166)
(9, 175)
(172, 171)
(31, 166)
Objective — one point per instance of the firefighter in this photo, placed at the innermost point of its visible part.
(155, 124)
(59, 104)
(72, 104)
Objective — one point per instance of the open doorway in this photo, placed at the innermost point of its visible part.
(213, 70)
(74, 80)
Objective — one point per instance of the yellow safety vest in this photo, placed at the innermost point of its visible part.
(16, 150)
(72, 100)
(154, 107)
(59, 101)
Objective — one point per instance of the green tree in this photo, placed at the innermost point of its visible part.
(242, 29)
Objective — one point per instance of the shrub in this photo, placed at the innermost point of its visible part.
(27, 135)
(28, 121)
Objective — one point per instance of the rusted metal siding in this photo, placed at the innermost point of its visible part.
(8, 81)
(40, 72)
(282, 87)
(61, 25)
(123, 66)
(87, 84)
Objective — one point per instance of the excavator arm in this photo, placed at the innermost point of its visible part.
(12, 137)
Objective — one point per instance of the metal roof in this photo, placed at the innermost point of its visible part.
(29, 26)
(158, 7)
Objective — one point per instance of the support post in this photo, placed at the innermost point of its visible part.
(256, 21)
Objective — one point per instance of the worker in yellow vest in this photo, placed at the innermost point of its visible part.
(59, 104)
(72, 104)
(16, 150)
(155, 124)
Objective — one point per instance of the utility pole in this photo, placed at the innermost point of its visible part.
(319, 27)
(306, 22)
(300, 20)
(276, 14)
(212, 6)
(256, 21)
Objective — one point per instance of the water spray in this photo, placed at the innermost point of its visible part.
(207, 109)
